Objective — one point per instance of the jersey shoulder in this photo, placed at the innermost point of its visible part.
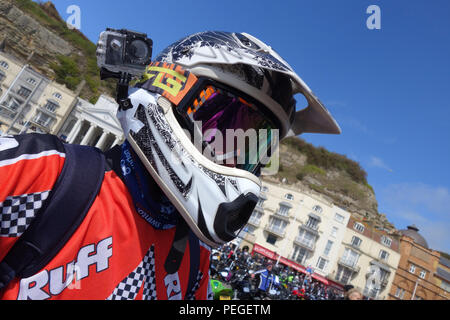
(29, 167)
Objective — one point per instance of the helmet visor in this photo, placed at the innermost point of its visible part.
(235, 132)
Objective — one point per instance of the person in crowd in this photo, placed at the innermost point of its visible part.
(353, 294)
(267, 279)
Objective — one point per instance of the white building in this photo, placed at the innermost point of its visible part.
(30, 102)
(302, 227)
(93, 125)
(368, 259)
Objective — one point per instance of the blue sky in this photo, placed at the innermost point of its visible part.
(389, 89)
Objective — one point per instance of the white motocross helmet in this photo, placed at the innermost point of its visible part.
(206, 85)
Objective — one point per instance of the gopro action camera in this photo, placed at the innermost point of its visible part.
(123, 52)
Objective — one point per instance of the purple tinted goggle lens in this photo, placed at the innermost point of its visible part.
(236, 132)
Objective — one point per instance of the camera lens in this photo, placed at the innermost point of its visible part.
(138, 50)
(116, 44)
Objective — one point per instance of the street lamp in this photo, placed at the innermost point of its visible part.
(415, 288)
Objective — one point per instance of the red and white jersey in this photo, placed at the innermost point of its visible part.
(114, 253)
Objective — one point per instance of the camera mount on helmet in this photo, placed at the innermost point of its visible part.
(122, 55)
(123, 83)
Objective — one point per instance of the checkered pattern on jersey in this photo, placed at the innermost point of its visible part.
(143, 274)
(209, 293)
(17, 212)
(191, 295)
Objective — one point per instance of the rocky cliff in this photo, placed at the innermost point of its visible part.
(24, 35)
(36, 34)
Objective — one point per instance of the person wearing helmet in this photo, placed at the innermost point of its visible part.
(183, 181)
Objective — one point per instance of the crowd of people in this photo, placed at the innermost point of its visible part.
(273, 279)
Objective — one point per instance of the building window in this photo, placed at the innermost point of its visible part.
(383, 276)
(13, 105)
(384, 255)
(24, 92)
(57, 95)
(264, 189)
(423, 274)
(312, 223)
(350, 258)
(356, 242)
(4, 64)
(256, 215)
(283, 210)
(321, 263)
(358, 227)
(31, 81)
(289, 196)
(271, 239)
(334, 231)
(445, 285)
(327, 250)
(249, 229)
(255, 218)
(343, 275)
(412, 268)
(339, 218)
(2, 76)
(371, 291)
(386, 241)
(44, 120)
(260, 202)
(300, 254)
(317, 209)
(306, 238)
(6, 113)
(400, 293)
(277, 225)
(51, 106)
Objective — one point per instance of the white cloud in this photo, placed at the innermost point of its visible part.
(413, 195)
(426, 206)
(351, 122)
(379, 163)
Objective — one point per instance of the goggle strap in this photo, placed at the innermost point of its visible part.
(168, 79)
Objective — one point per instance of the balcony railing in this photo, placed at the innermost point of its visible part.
(7, 113)
(281, 216)
(260, 205)
(9, 107)
(349, 264)
(313, 229)
(47, 111)
(41, 124)
(254, 222)
(308, 244)
(275, 230)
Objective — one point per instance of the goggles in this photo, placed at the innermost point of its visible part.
(236, 130)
